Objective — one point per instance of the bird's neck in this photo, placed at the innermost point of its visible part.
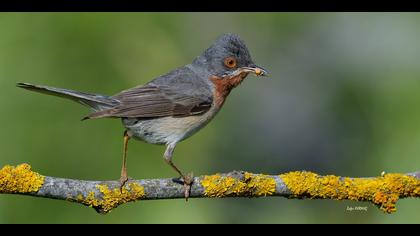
(200, 61)
(223, 86)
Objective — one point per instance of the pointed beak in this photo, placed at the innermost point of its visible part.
(257, 70)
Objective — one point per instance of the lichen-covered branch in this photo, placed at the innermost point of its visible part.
(103, 196)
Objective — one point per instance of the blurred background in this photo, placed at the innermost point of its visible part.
(343, 98)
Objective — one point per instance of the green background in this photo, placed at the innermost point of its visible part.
(343, 98)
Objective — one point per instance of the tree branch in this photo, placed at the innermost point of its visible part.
(103, 196)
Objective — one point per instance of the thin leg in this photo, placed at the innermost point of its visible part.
(188, 179)
(124, 177)
(168, 158)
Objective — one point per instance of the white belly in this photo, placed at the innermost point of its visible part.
(167, 130)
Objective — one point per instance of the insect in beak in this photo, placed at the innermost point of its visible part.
(257, 70)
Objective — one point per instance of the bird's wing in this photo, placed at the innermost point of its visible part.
(177, 98)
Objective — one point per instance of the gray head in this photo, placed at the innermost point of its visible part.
(228, 56)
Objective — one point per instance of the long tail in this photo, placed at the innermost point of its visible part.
(94, 101)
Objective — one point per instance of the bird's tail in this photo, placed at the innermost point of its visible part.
(95, 101)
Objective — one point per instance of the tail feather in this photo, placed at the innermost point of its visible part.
(99, 114)
(95, 101)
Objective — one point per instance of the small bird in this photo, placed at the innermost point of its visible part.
(174, 106)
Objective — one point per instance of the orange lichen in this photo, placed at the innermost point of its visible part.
(20, 179)
(111, 198)
(252, 185)
(383, 191)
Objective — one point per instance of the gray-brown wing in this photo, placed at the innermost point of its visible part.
(157, 101)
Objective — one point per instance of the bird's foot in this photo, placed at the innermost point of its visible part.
(123, 180)
(188, 180)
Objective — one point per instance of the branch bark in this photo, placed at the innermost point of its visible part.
(103, 196)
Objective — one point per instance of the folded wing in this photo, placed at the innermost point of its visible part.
(151, 101)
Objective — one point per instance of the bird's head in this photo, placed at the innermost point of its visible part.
(229, 57)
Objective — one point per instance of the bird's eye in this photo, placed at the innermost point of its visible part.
(230, 62)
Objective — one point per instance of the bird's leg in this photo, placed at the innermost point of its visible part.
(124, 177)
(187, 179)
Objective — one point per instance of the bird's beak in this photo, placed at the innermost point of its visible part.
(257, 70)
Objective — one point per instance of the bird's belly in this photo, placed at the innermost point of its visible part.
(167, 130)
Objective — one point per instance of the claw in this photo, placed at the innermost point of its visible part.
(188, 181)
(123, 181)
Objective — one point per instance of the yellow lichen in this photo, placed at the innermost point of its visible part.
(20, 179)
(253, 185)
(111, 198)
(383, 191)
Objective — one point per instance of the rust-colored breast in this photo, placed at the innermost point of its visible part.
(223, 86)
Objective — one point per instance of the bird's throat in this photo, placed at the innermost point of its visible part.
(223, 86)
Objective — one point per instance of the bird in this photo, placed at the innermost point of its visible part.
(172, 107)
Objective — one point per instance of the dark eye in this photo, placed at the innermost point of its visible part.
(230, 62)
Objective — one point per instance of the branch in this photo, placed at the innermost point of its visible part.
(103, 196)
